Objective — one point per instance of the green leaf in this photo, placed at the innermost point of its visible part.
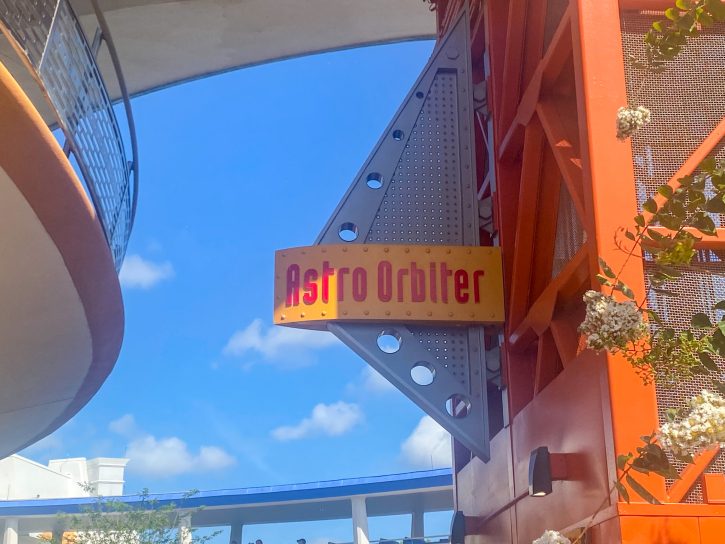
(604, 281)
(665, 190)
(704, 224)
(653, 315)
(605, 268)
(650, 205)
(708, 362)
(721, 327)
(708, 165)
(622, 490)
(665, 292)
(720, 305)
(639, 220)
(641, 491)
(622, 460)
(701, 321)
(672, 14)
(626, 291)
(668, 333)
(715, 205)
(628, 234)
(659, 26)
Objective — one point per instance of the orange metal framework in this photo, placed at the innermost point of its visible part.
(555, 76)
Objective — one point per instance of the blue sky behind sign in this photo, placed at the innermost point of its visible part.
(206, 393)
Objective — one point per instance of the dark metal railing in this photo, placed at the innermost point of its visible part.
(49, 39)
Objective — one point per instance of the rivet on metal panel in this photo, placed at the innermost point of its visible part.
(302, 314)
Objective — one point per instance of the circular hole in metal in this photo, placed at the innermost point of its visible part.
(398, 135)
(389, 341)
(419, 94)
(348, 232)
(423, 373)
(375, 180)
(458, 406)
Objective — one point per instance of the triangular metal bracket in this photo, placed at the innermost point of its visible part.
(418, 187)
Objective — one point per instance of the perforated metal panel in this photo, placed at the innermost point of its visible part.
(417, 187)
(687, 101)
(570, 236)
(55, 45)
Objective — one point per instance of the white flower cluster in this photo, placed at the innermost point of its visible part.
(630, 120)
(610, 325)
(704, 426)
(552, 537)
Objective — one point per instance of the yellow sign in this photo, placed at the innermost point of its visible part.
(362, 282)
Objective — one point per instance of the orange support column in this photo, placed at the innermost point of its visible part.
(610, 201)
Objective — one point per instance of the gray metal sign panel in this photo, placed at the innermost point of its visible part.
(418, 187)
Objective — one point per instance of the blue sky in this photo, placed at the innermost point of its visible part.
(206, 394)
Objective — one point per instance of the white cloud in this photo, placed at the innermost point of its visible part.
(373, 382)
(45, 446)
(124, 425)
(369, 382)
(278, 343)
(168, 456)
(139, 273)
(326, 419)
(428, 446)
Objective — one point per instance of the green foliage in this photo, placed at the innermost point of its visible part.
(146, 521)
(667, 236)
(685, 19)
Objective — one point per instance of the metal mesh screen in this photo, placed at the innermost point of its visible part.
(29, 23)
(570, 235)
(687, 101)
(698, 290)
(422, 204)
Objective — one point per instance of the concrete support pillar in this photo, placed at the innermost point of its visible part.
(359, 521)
(10, 534)
(417, 524)
(185, 529)
(235, 535)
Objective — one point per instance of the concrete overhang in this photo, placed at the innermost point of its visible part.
(62, 320)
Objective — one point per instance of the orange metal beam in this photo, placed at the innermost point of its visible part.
(693, 161)
(539, 316)
(689, 476)
(525, 224)
(515, 39)
(567, 157)
(547, 70)
(716, 242)
(610, 198)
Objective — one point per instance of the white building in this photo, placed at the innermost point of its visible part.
(21, 478)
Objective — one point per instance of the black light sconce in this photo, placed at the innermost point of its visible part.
(462, 525)
(544, 468)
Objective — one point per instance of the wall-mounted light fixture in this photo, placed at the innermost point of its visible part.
(544, 468)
